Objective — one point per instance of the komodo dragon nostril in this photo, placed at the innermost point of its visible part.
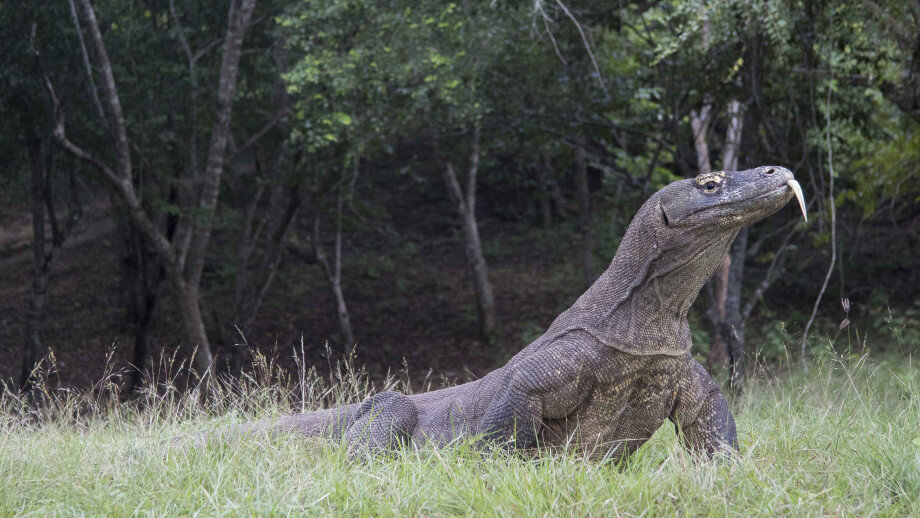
(770, 171)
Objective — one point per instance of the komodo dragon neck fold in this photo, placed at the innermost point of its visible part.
(639, 304)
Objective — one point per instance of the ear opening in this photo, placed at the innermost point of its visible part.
(664, 215)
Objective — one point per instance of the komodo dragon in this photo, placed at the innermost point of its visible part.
(611, 368)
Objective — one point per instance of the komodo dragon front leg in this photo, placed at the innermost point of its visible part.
(550, 384)
(701, 416)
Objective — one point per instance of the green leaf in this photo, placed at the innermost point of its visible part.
(343, 118)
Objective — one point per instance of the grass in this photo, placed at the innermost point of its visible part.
(841, 439)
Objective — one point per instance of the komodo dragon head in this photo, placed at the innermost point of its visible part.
(725, 202)
(672, 246)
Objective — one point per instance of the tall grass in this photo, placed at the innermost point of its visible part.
(841, 439)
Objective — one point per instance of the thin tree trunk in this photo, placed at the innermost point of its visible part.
(333, 273)
(465, 205)
(44, 253)
(480, 270)
(242, 302)
(35, 310)
(728, 340)
(718, 350)
(732, 329)
(189, 283)
(247, 310)
(94, 93)
(552, 185)
(833, 211)
(699, 124)
(733, 135)
(562, 207)
(584, 211)
(201, 232)
(546, 202)
(145, 311)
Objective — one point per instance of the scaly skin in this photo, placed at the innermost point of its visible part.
(612, 368)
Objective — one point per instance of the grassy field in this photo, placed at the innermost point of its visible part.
(842, 438)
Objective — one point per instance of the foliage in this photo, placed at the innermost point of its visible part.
(361, 87)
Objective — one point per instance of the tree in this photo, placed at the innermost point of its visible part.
(183, 256)
(51, 183)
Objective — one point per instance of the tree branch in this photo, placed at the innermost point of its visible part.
(122, 185)
(767, 279)
(278, 117)
(86, 64)
(587, 44)
(473, 166)
(854, 79)
(119, 131)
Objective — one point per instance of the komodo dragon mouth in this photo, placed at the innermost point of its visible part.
(610, 369)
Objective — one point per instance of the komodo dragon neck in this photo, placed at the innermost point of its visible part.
(639, 304)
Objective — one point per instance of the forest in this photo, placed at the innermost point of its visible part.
(205, 204)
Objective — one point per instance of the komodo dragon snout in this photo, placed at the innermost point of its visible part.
(612, 368)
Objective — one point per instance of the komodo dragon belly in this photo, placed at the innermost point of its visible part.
(626, 406)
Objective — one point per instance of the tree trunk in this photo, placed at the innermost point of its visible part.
(334, 275)
(480, 271)
(238, 21)
(146, 277)
(196, 336)
(728, 340)
(35, 311)
(43, 252)
(718, 350)
(145, 311)
(699, 124)
(247, 296)
(732, 328)
(465, 205)
(555, 192)
(733, 136)
(242, 292)
(546, 208)
(210, 183)
(584, 211)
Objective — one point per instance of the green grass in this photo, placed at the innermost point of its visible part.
(841, 439)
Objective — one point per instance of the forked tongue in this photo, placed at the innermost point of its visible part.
(797, 189)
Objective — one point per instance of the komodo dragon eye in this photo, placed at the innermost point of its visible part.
(710, 183)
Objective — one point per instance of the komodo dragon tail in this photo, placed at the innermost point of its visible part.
(319, 423)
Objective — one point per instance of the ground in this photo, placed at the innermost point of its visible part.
(842, 439)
